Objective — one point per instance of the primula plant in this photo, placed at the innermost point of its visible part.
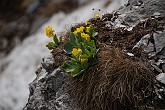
(82, 48)
(50, 32)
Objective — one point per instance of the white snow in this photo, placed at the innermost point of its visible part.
(23, 60)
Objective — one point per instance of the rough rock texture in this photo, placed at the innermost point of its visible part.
(137, 11)
(50, 90)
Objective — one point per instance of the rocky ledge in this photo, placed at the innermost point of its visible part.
(51, 89)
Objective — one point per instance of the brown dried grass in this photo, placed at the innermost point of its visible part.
(114, 83)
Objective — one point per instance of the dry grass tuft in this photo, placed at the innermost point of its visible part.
(114, 83)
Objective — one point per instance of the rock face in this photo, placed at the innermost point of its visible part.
(50, 90)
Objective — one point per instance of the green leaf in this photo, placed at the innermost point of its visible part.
(95, 34)
(87, 52)
(93, 44)
(91, 28)
(84, 56)
(69, 66)
(82, 45)
(68, 47)
(55, 39)
(75, 61)
(81, 74)
(77, 70)
(51, 45)
(87, 43)
(85, 66)
(79, 38)
(72, 39)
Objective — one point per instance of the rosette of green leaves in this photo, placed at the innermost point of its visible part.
(89, 51)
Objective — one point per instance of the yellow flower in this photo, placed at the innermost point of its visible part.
(83, 60)
(87, 23)
(88, 29)
(85, 36)
(75, 33)
(76, 52)
(97, 15)
(81, 29)
(50, 32)
(78, 30)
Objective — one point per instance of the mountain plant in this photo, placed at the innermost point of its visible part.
(81, 48)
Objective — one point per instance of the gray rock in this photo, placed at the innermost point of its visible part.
(137, 10)
(159, 39)
(50, 92)
(47, 63)
(161, 78)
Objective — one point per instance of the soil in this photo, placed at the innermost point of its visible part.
(59, 56)
(120, 37)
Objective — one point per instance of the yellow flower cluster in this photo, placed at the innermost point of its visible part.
(50, 32)
(85, 36)
(88, 29)
(78, 30)
(76, 52)
(82, 31)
